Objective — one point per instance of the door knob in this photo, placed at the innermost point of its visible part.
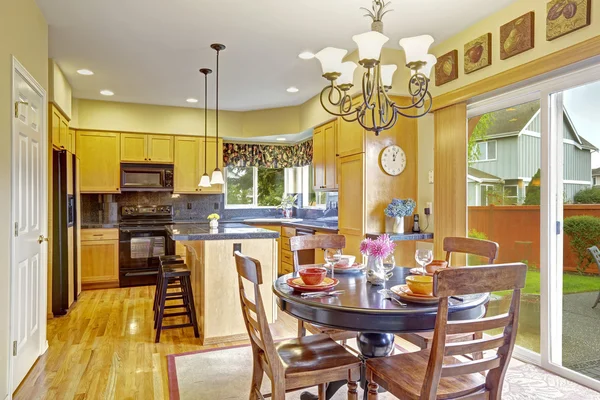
(42, 239)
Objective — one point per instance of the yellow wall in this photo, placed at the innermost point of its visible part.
(24, 34)
(59, 89)
(492, 24)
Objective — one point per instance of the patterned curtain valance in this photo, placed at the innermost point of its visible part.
(268, 156)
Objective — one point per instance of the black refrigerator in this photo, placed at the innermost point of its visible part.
(65, 231)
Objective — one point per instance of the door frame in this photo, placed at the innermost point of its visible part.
(19, 69)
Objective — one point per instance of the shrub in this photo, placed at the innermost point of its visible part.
(588, 196)
(584, 231)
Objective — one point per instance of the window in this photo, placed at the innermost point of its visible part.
(511, 195)
(487, 150)
(264, 187)
(484, 193)
(254, 187)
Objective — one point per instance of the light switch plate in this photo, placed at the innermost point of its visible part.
(430, 176)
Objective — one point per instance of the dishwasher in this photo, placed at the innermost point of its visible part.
(305, 256)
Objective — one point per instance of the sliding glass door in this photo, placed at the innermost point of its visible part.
(534, 187)
(574, 282)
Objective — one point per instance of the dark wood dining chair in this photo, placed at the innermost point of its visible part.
(314, 242)
(437, 373)
(290, 364)
(483, 248)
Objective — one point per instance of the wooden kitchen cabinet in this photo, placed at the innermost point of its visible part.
(59, 126)
(325, 157)
(144, 148)
(71, 139)
(99, 258)
(187, 165)
(99, 161)
(351, 216)
(160, 148)
(351, 136)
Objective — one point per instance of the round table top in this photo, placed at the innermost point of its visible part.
(361, 308)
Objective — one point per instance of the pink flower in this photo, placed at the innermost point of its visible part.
(382, 247)
(365, 247)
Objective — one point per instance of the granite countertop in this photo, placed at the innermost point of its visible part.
(399, 237)
(225, 231)
(329, 225)
(99, 225)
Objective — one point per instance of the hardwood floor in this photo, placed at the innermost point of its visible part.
(104, 349)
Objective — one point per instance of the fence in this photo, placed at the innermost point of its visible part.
(517, 231)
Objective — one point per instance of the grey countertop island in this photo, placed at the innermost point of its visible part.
(225, 231)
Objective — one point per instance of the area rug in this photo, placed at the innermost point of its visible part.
(224, 374)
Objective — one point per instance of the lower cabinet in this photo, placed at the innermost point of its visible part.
(99, 258)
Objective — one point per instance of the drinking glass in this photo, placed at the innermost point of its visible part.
(389, 263)
(332, 256)
(423, 257)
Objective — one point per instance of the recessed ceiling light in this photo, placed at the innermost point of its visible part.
(513, 120)
(511, 109)
(192, 100)
(106, 92)
(85, 72)
(306, 55)
(293, 89)
(281, 139)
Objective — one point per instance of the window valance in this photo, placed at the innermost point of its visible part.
(268, 156)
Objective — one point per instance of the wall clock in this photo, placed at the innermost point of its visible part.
(393, 160)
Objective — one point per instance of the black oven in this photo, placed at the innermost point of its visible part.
(139, 249)
(145, 177)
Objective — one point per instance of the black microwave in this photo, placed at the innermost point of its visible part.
(145, 177)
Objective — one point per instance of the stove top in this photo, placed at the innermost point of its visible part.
(146, 215)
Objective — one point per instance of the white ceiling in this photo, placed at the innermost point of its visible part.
(149, 51)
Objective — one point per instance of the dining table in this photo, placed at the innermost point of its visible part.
(361, 307)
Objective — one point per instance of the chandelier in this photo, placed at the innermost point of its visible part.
(376, 111)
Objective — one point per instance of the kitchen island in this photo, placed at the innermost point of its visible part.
(209, 255)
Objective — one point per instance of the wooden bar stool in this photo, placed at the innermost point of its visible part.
(181, 273)
(164, 260)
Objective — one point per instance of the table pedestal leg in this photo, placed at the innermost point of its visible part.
(373, 345)
(370, 345)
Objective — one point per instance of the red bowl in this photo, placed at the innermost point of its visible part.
(313, 276)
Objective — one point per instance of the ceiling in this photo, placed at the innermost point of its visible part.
(149, 51)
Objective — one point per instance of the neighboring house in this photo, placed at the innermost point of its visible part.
(481, 185)
(596, 177)
(512, 153)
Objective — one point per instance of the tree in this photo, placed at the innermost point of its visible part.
(271, 182)
(532, 198)
(239, 185)
(479, 134)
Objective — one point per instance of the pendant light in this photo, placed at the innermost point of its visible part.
(217, 175)
(205, 181)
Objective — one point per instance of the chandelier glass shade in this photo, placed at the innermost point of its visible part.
(376, 111)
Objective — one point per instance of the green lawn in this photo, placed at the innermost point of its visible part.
(572, 283)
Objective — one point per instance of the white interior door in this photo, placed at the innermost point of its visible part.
(29, 146)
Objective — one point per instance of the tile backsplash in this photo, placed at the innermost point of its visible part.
(98, 208)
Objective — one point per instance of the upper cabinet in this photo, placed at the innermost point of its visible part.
(59, 126)
(143, 148)
(71, 140)
(189, 164)
(100, 168)
(325, 153)
(351, 136)
(187, 169)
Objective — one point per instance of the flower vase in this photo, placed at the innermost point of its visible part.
(398, 225)
(375, 271)
(213, 224)
(287, 212)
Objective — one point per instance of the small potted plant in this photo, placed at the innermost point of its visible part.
(287, 204)
(214, 221)
(398, 209)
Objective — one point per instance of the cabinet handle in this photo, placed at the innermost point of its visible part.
(145, 159)
(100, 234)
